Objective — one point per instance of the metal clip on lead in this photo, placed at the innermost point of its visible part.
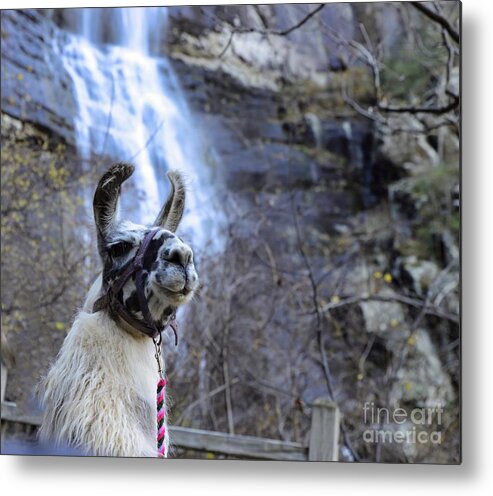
(158, 356)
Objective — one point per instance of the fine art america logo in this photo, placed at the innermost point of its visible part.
(397, 425)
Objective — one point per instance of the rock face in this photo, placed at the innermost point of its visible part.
(260, 46)
(423, 379)
(252, 43)
(35, 85)
(381, 316)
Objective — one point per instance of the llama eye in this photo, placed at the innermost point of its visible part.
(119, 249)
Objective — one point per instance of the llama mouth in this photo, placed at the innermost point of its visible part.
(178, 291)
(175, 294)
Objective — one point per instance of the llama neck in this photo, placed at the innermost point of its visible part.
(93, 294)
(105, 374)
(131, 354)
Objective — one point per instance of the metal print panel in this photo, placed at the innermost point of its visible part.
(232, 232)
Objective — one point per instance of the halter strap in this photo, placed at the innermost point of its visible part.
(118, 311)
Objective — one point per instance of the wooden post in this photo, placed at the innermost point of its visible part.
(4, 380)
(324, 434)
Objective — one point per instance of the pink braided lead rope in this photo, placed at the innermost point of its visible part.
(161, 407)
(161, 428)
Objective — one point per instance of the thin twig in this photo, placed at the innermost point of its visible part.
(303, 21)
(319, 327)
(414, 302)
(151, 137)
(434, 16)
(266, 32)
(209, 395)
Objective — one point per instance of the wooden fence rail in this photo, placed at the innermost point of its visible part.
(323, 444)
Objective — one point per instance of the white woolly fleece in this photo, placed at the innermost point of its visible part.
(100, 395)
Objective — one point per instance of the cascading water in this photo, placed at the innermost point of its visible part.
(131, 108)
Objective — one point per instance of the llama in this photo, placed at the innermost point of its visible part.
(100, 394)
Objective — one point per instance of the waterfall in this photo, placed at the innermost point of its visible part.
(131, 108)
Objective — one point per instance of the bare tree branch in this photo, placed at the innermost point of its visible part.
(303, 21)
(436, 17)
(429, 309)
(320, 327)
(421, 110)
(284, 32)
(210, 394)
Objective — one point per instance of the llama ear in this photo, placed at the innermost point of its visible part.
(170, 215)
(106, 197)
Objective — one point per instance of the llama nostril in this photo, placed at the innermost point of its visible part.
(178, 256)
(173, 257)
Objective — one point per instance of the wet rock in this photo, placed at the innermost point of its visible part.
(407, 150)
(11, 126)
(337, 64)
(422, 379)
(253, 55)
(455, 196)
(253, 59)
(381, 316)
(453, 86)
(406, 201)
(417, 274)
(450, 247)
(35, 85)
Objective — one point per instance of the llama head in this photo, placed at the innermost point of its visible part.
(170, 278)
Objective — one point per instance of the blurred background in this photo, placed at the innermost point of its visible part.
(321, 147)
